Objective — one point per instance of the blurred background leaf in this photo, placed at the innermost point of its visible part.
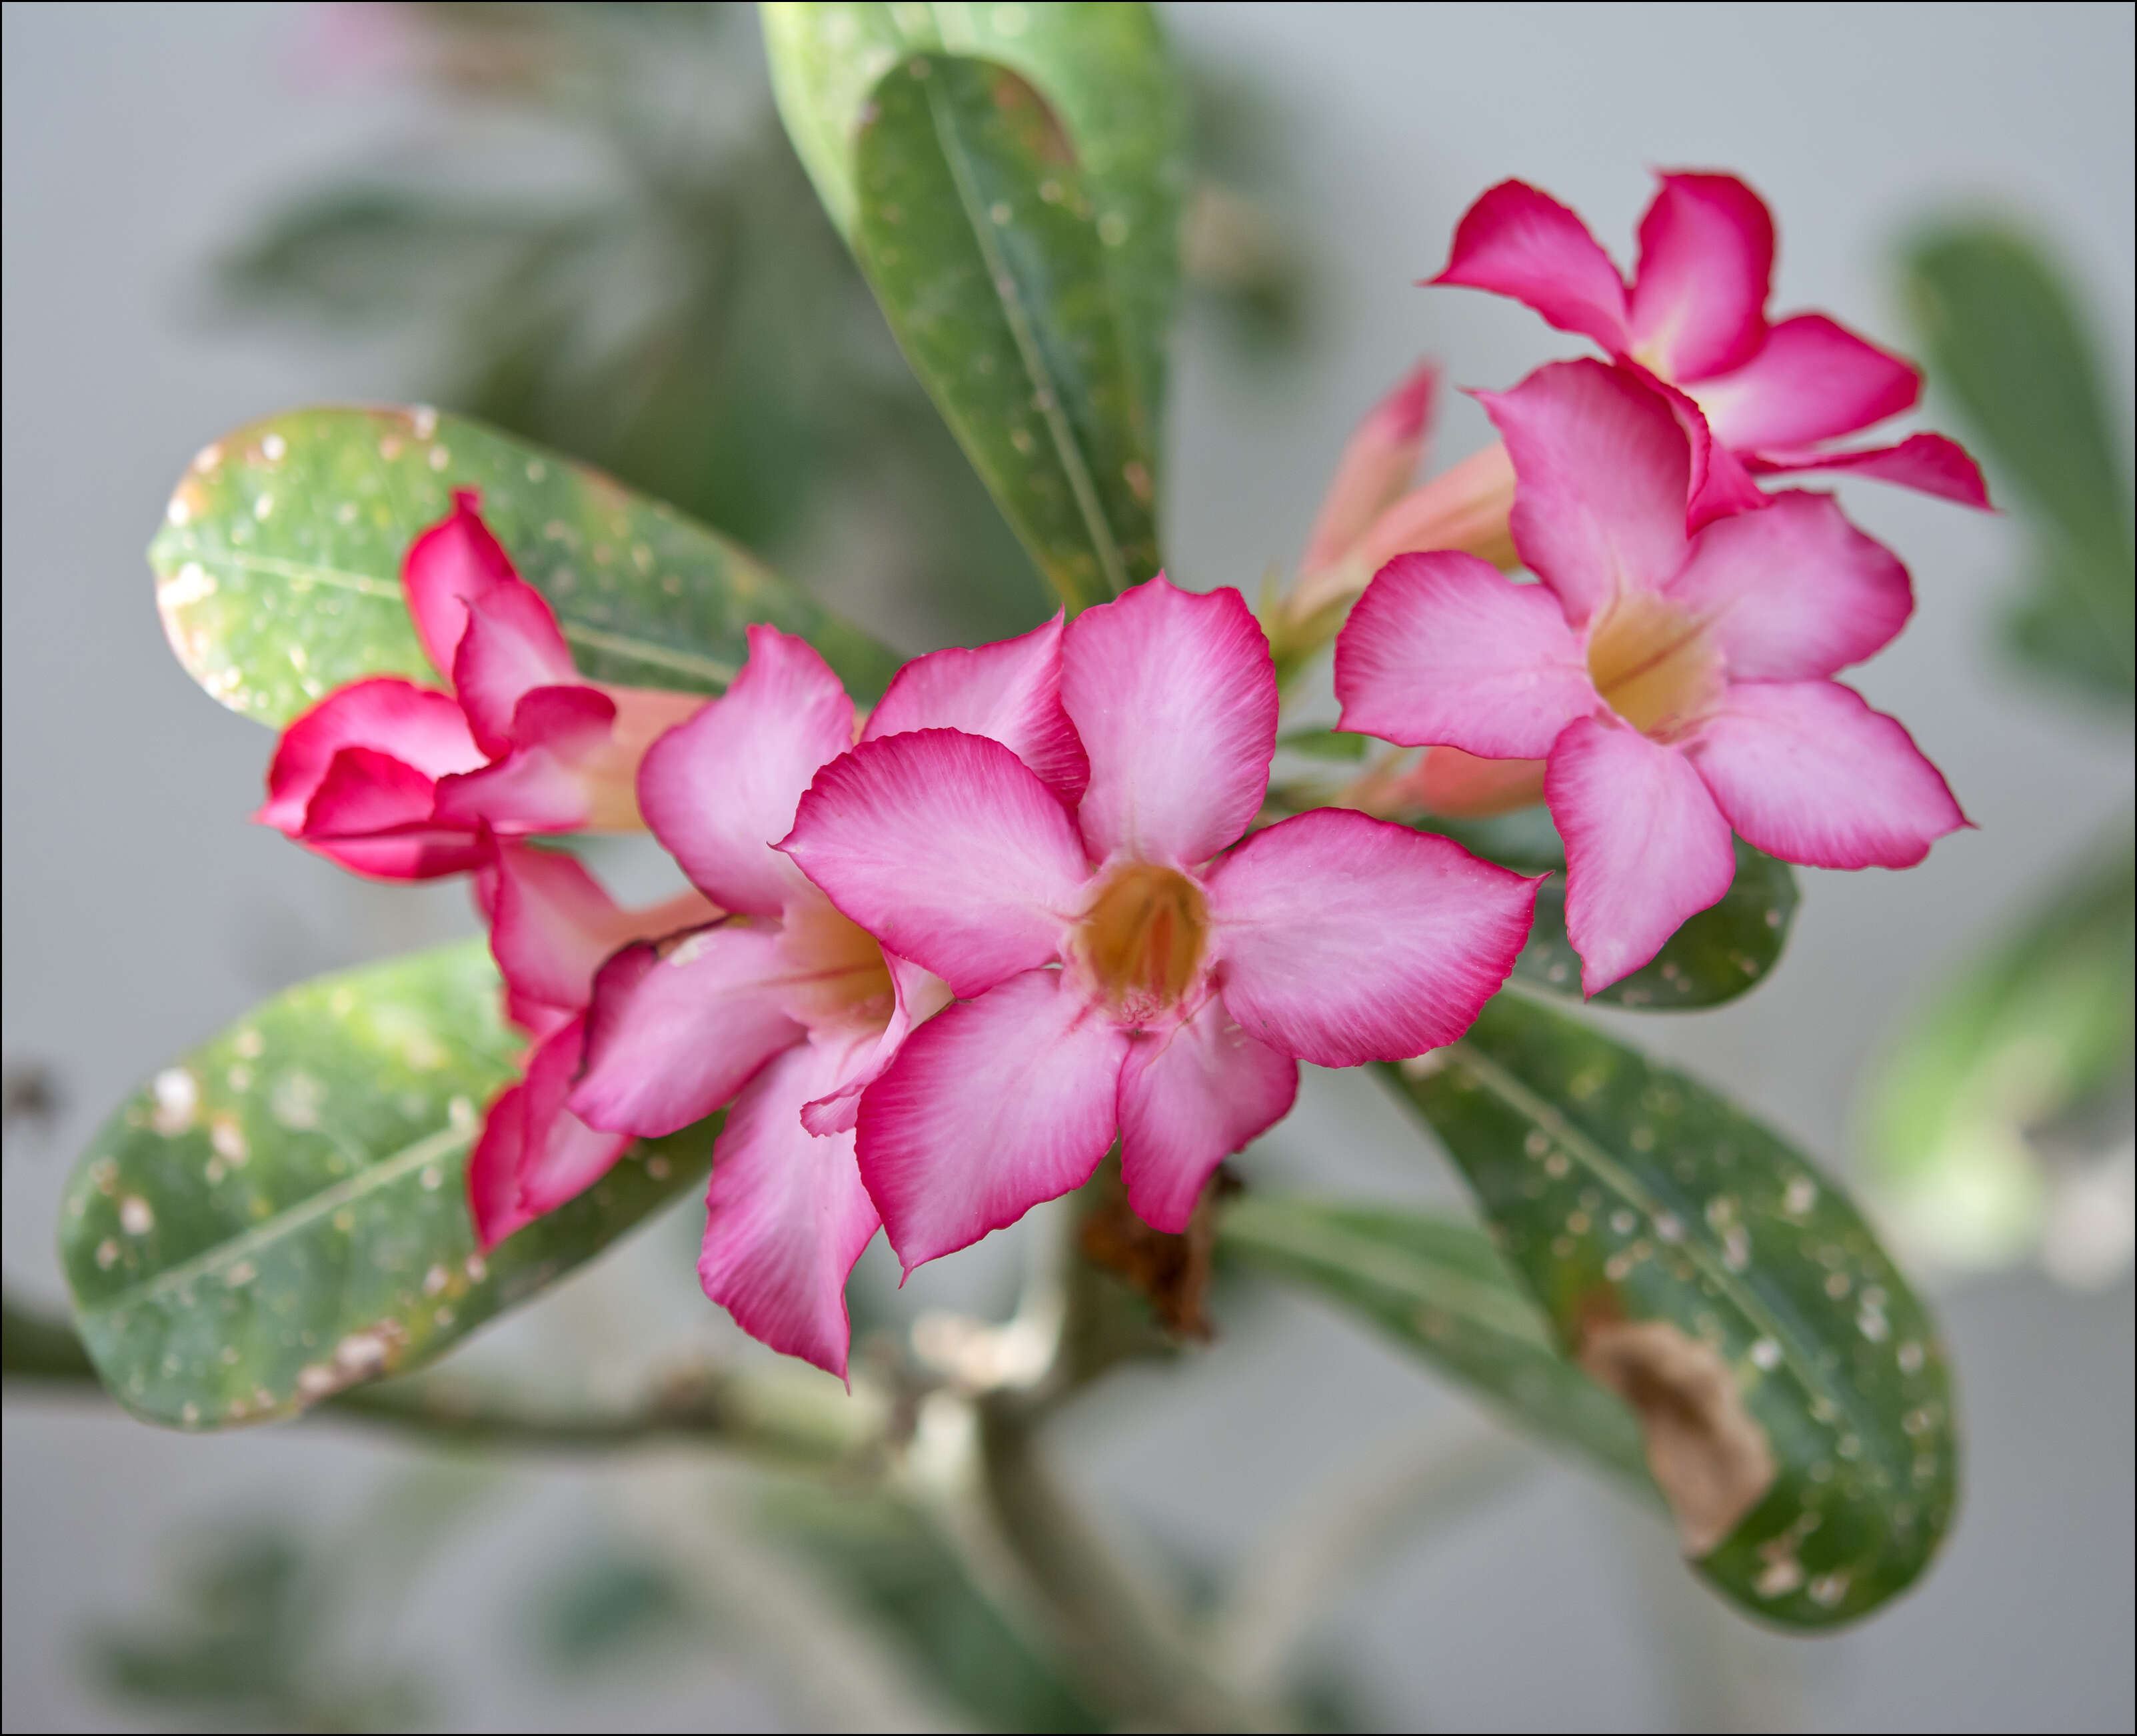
(611, 250)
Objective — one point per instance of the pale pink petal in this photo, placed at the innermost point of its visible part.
(1341, 939)
(719, 792)
(786, 1215)
(1463, 508)
(512, 645)
(1808, 772)
(1189, 1099)
(1442, 648)
(1928, 462)
(676, 1030)
(1175, 697)
(1811, 380)
(562, 1156)
(947, 848)
(920, 995)
(418, 726)
(1645, 845)
(1517, 241)
(1706, 260)
(1794, 591)
(1603, 474)
(1376, 466)
(493, 1170)
(1010, 692)
(452, 563)
(991, 1106)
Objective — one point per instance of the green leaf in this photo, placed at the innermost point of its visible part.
(282, 1213)
(2005, 338)
(1792, 1392)
(278, 568)
(1441, 1291)
(2024, 1034)
(1324, 744)
(1104, 72)
(1725, 951)
(983, 248)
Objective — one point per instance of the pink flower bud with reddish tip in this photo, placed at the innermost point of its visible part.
(1377, 465)
(404, 782)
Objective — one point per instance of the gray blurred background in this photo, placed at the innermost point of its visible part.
(142, 912)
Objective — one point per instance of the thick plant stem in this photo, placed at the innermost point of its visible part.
(1123, 1644)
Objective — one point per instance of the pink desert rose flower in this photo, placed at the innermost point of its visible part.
(406, 783)
(550, 927)
(1676, 685)
(1125, 966)
(1754, 397)
(785, 1008)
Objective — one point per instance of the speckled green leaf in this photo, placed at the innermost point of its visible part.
(281, 1213)
(983, 244)
(278, 567)
(1649, 1215)
(1102, 69)
(1441, 1291)
(1723, 951)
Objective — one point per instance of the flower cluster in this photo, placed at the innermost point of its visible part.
(936, 962)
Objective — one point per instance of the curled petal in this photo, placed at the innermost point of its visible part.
(1795, 591)
(1604, 474)
(1175, 697)
(511, 647)
(1720, 485)
(1706, 262)
(991, 1107)
(1189, 1099)
(919, 995)
(947, 848)
(676, 1030)
(1010, 692)
(1645, 845)
(562, 1156)
(786, 1215)
(719, 792)
(418, 726)
(561, 772)
(1342, 939)
(553, 926)
(1442, 648)
(376, 816)
(1927, 462)
(1811, 380)
(1808, 772)
(454, 563)
(1376, 466)
(493, 1170)
(1517, 241)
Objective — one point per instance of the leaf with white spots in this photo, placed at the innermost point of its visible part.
(1442, 1291)
(278, 566)
(1722, 952)
(282, 1213)
(1791, 1388)
(980, 236)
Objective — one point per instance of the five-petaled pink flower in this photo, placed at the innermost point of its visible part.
(1678, 685)
(406, 783)
(550, 927)
(786, 1007)
(1694, 319)
(1121, 968)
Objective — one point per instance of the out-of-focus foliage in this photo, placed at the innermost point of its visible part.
(2004, 337)
(611, 250)
(1998, 1125)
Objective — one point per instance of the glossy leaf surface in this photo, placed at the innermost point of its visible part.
(1792, 1390)
(1441, 1291)
(2006, 338)
(281, 1213)
(1104, 72)
(278, 567)
(984, 248)
(1724, 951)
